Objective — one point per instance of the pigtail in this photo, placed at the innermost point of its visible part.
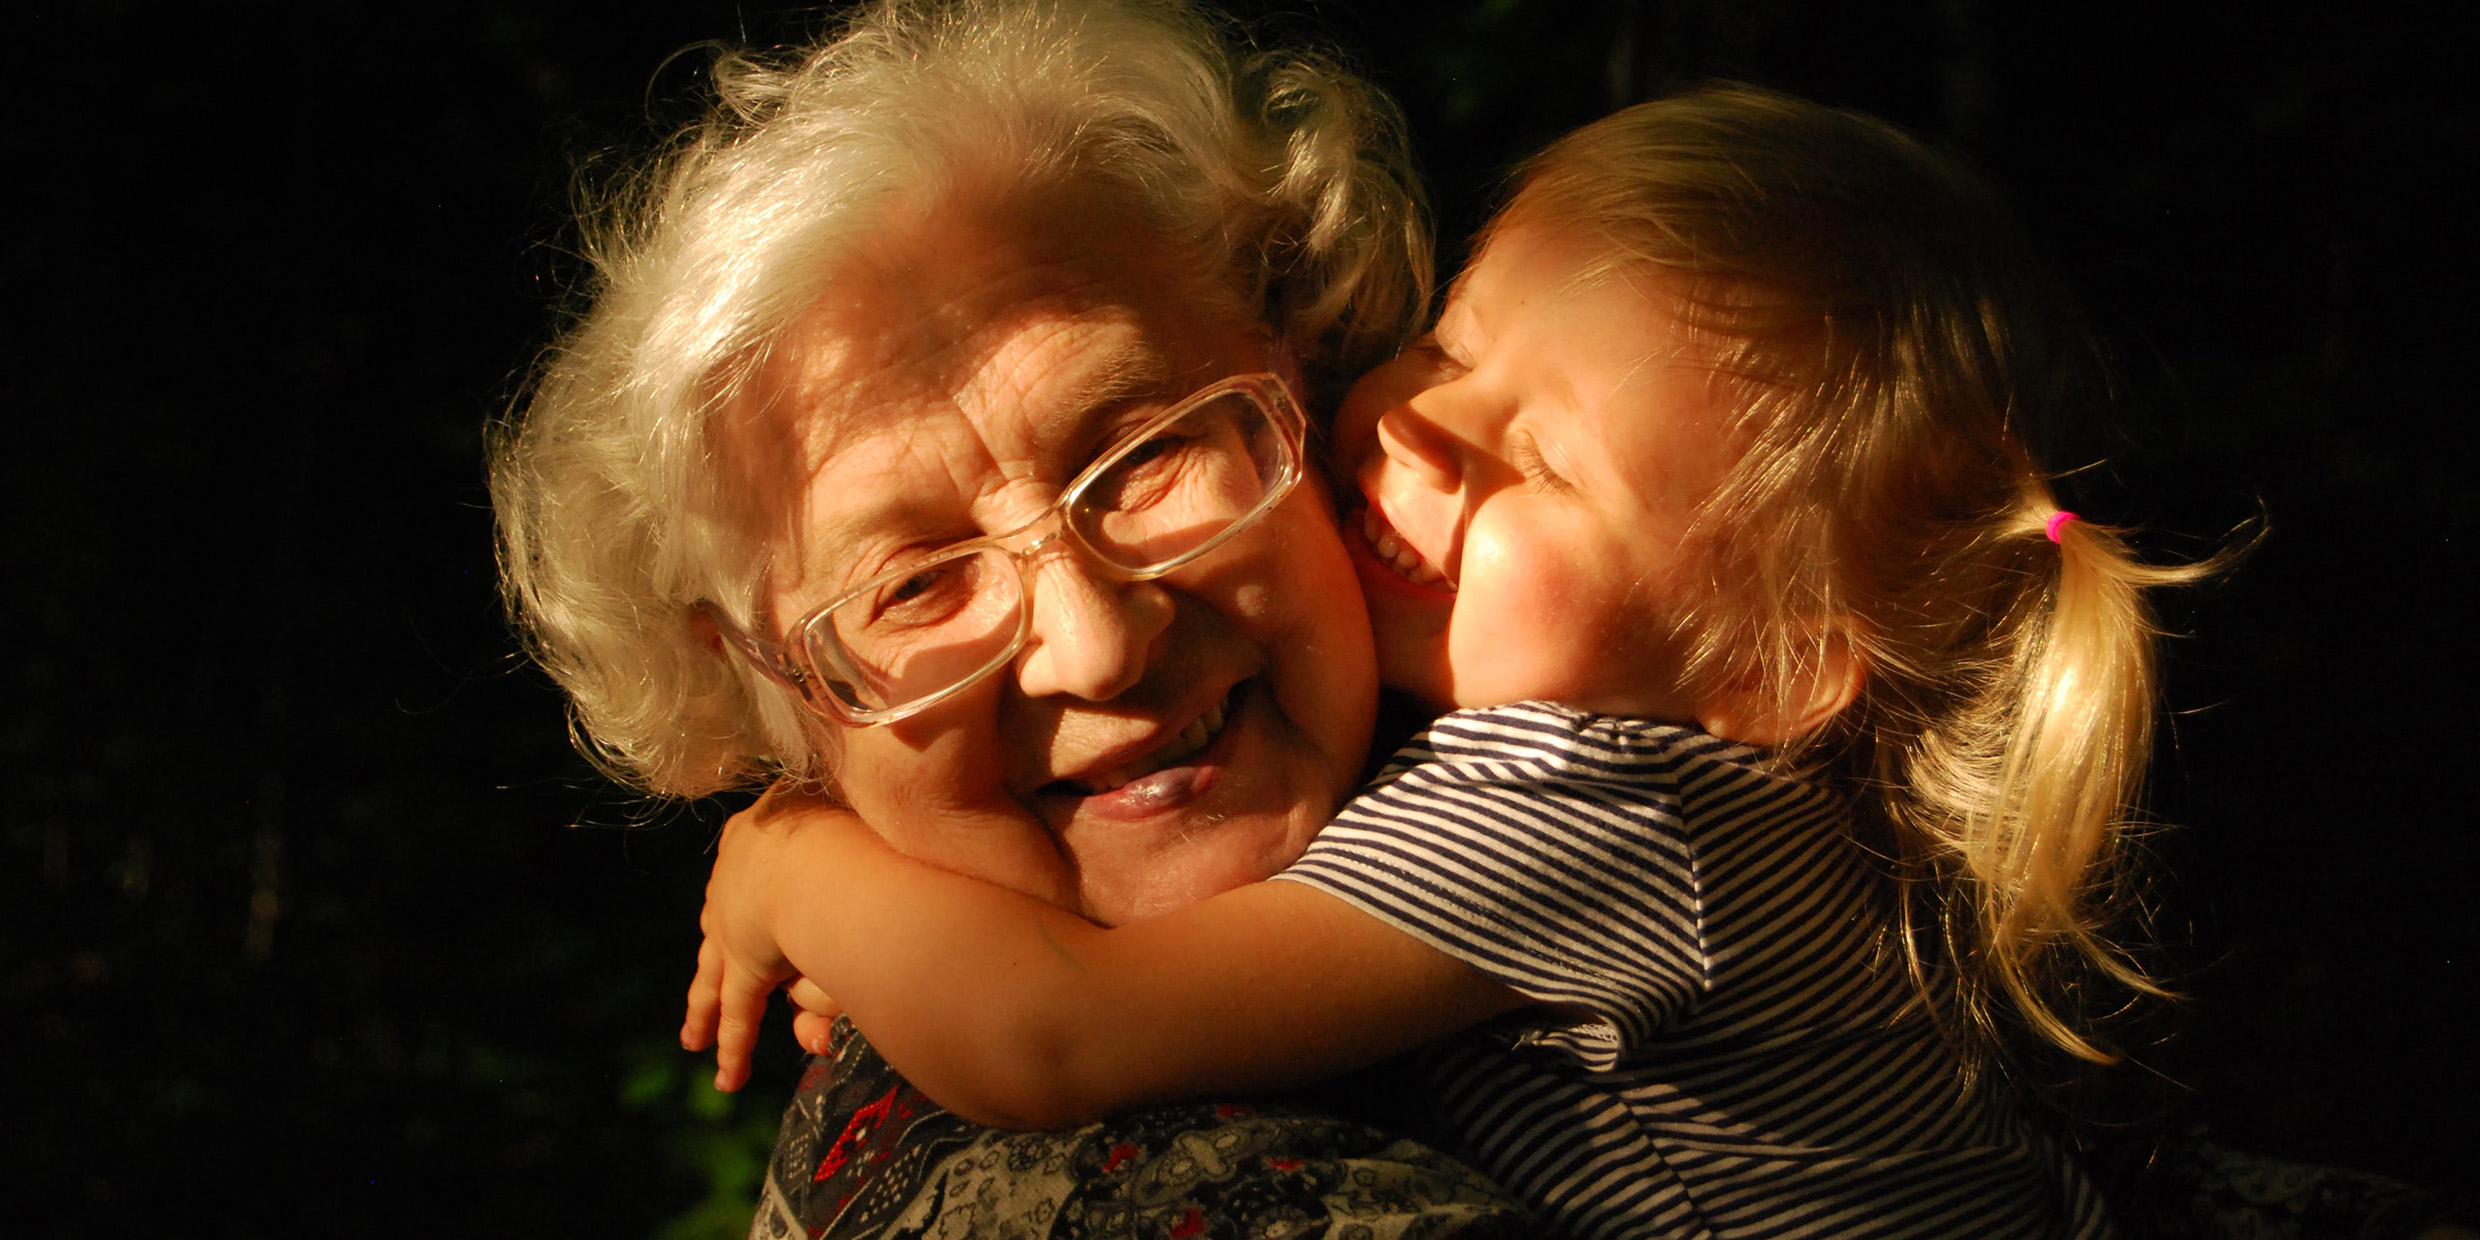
(2003, 739)
(2078, 704)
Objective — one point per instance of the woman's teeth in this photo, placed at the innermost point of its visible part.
(1191, 741)
(1398, 554)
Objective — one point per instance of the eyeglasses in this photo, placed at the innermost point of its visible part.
(918, 634)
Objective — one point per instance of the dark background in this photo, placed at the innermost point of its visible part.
(315, 925)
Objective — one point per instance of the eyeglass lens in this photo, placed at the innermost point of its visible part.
(1144, 506)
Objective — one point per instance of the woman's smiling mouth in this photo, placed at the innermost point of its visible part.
(1191, 741)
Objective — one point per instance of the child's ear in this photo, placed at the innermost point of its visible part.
(1819, 693)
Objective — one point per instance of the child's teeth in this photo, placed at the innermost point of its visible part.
(1395, 551)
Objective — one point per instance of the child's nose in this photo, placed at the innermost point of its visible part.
(1420, 445)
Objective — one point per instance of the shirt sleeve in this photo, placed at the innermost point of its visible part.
(1546, 849)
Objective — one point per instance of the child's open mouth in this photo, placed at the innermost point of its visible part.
(1397, 554)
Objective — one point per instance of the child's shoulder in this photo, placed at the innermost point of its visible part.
(1549, 731)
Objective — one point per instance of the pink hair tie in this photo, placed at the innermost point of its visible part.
(2056, 519)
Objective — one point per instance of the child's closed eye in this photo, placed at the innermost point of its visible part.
(1535, 467)
(1432, 353)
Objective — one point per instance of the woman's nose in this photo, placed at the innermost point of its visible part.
(1093, 634)
(1414, 442)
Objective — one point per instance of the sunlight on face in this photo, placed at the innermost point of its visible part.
(1530, 472)
(1155, 742)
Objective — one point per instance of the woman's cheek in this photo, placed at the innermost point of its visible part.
(1324, 658)
(938, 796)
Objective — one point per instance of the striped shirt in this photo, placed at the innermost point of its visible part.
(1724, 1046)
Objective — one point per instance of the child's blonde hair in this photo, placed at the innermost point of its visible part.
(1888, 338)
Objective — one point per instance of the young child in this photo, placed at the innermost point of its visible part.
(1801, 724)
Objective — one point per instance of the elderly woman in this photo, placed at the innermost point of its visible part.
(847, 478)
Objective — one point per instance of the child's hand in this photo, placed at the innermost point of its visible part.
(740, 963)
(813, 1015)
(727, 999)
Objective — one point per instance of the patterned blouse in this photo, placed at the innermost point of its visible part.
(863, 1154)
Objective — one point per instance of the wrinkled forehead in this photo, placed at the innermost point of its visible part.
(956, 354)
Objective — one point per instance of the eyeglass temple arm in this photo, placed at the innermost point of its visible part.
(770, 663)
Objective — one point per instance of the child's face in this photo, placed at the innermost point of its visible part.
(1531, 469)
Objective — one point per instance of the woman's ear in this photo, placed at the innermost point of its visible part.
(1817, 693)
(703, 629)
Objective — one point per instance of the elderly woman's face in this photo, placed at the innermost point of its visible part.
(958, 373)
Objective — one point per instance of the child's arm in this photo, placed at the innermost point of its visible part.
(1016, 1013)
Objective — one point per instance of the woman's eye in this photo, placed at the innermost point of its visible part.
(1144, 454)
(1146, 473)
(913, 587)
(919, 598)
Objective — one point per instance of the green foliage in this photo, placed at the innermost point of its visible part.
(717, 1140)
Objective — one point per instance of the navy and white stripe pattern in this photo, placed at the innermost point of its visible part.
(1725, 1047)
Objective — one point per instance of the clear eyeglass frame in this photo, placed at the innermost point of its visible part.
(794, 663)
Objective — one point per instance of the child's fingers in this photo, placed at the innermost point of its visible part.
(743, 1005)
(813, 1031)
(697, 1030)
(813, 1015)
(806, 996)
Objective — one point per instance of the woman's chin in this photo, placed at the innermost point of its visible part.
(1234, 814)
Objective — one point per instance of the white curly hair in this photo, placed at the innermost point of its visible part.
(1284, 173)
